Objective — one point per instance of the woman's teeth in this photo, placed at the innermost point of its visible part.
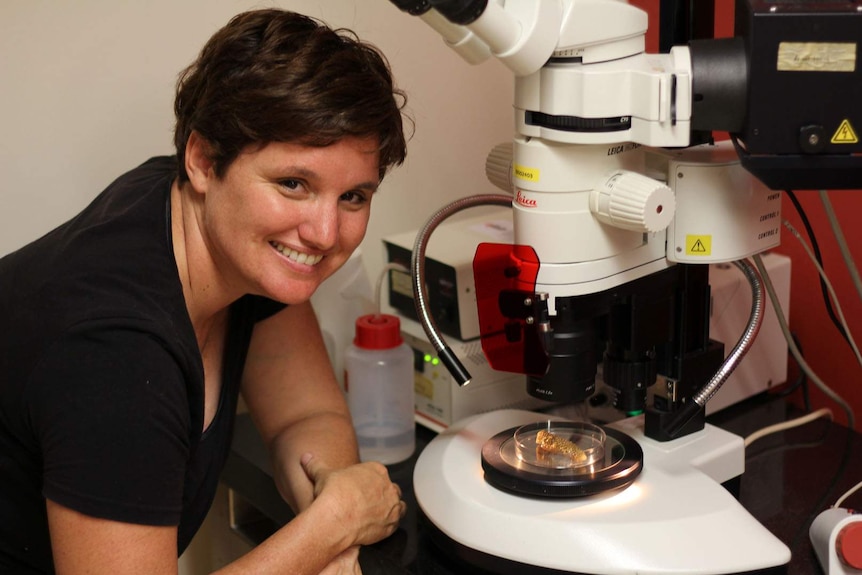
(296, 256)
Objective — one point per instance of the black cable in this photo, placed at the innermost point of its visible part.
(816, 248)
(820, 503)
(801, 381)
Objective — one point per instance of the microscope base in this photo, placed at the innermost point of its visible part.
(675, 518)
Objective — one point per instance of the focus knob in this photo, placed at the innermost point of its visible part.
(634, 202)
(498, 166)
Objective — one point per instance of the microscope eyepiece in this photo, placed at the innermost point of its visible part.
(413, 7)
(460, 12)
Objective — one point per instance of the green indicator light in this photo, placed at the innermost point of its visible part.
(435, 361)
(634, 413)
(427, 358)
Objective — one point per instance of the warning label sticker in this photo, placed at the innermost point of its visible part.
(698, 245)
(845, 134)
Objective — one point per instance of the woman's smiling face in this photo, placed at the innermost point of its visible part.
(286, 216)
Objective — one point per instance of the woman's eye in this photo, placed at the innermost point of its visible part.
(356, 198)
(291, 184)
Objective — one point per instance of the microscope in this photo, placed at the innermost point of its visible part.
(620, 197)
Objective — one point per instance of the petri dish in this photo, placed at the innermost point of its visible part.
(560, 444)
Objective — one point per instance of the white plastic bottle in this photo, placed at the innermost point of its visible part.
(379, 382)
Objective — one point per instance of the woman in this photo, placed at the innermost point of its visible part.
(131, 329)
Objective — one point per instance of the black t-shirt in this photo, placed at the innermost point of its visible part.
(101, 380)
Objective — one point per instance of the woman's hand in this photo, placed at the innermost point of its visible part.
(360, 496)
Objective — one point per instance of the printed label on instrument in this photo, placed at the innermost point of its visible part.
(525, 173)
(698, 245)
(817, 57)
(523, 200)
(845, 134)
(423, 386)
(401, 283)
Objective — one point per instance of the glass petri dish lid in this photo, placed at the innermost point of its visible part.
(560, 444)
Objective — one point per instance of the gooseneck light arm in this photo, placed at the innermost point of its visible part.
(420, 292)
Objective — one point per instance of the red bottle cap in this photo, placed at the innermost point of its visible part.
(849, 544)
(378, 331)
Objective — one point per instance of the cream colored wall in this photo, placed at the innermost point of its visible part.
(86, 89)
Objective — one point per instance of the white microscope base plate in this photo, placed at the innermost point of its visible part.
(675, 518)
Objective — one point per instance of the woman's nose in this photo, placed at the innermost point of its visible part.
(320, 226)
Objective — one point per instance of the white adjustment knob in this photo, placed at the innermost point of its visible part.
(498, 166)
(634, 202)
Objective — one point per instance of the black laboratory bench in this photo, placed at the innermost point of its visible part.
(789, 477)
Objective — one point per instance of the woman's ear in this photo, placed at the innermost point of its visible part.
(199, 163)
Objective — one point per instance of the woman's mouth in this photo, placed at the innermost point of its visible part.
(298, 257)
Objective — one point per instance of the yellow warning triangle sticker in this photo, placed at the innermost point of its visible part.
(845, 134)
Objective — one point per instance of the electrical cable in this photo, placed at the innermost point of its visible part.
(832, 294)
(857, 283)
(782, 321)
(789, 424)
(842, 242)
(802, 532)
(818, 256)
(848, 336)
(801, 382)
(847, 494)
(825, 287)
(782, 449)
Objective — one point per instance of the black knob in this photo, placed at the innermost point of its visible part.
(812, 139)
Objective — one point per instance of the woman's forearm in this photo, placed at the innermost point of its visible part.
(305, 545)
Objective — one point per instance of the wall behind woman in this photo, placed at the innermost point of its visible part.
(88, 91)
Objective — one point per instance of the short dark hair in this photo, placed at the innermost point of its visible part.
(276, 76)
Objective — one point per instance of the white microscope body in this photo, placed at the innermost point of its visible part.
(606, 192)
